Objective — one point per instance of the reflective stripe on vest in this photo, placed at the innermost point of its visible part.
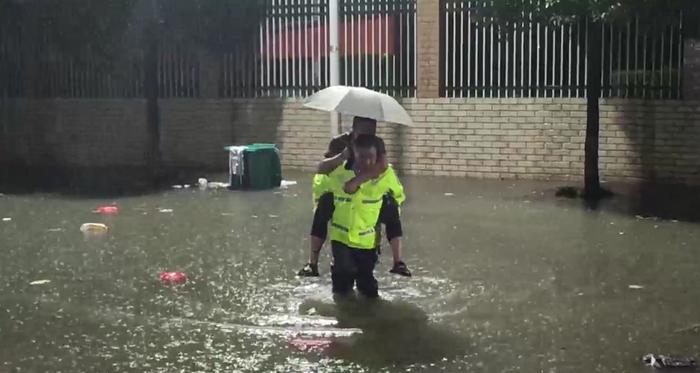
(346, 229)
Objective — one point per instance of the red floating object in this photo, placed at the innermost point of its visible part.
(173, 277)
(107, 210)
(311, 345)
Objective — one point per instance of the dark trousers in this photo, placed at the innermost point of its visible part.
(353, 266)
(388, 215)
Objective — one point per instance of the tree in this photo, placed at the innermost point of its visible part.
(653, 14)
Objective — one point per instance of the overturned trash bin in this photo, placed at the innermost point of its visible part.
(254, 166)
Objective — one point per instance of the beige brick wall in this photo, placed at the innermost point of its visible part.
(481, 138)
(511, 138)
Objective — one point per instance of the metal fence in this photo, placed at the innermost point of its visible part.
(291, 55)
(481, 59)
(178, 73)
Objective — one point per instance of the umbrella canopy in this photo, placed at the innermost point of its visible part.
(360, 102)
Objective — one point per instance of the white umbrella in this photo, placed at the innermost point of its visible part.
(361, 102)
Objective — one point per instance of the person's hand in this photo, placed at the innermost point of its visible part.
(376, 170)
(400, 268)
(309, 270)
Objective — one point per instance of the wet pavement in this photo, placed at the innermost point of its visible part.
(506, 279)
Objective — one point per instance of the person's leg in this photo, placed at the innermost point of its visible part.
(389, 215)
(343, 269)
(365, 261)
(319, 226)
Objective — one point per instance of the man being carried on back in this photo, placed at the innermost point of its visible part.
(341, 153)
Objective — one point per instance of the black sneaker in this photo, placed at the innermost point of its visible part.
(309, 270)
(400, 268)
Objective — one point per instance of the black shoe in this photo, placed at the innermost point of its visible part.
(400, 268)
(309, 270)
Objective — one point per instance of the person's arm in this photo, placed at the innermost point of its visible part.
(373, 172)
(396, 189)
(327, 165)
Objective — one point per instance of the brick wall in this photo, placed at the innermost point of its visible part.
(73, 132)
(509, 138)
(651, 140)
(481, 138)
(194, 132)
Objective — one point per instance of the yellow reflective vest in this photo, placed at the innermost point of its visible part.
(319, 187)
(355, 216)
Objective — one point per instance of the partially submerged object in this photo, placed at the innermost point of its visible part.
(311, 345)
(173, 278)
(107, 210)
(93, 228)
(664, 362)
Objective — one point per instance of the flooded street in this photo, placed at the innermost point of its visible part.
(506, 279)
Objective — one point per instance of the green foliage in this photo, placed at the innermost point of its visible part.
(652, 13)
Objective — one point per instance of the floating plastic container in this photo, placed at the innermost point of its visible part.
(107, 210)
(173, 278)
(93, 228)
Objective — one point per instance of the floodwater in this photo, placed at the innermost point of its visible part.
(506, 279)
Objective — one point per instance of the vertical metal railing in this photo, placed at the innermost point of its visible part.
(533, 59)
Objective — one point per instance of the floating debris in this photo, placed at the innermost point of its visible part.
(6, 219)
(636, 287)
(165, 210)
(217, 185)
(93, 228)
(107, 210)
(273, 216)
(176, 186)
(173, 277)
(39, 282)
(311, 345)
(55, 230)
(449, 194)
(669, 362)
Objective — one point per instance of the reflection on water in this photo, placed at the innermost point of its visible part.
(392, 333)
(505, 280)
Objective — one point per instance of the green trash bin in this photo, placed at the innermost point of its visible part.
(263, 169)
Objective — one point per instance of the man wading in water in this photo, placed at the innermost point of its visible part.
(340, 152)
